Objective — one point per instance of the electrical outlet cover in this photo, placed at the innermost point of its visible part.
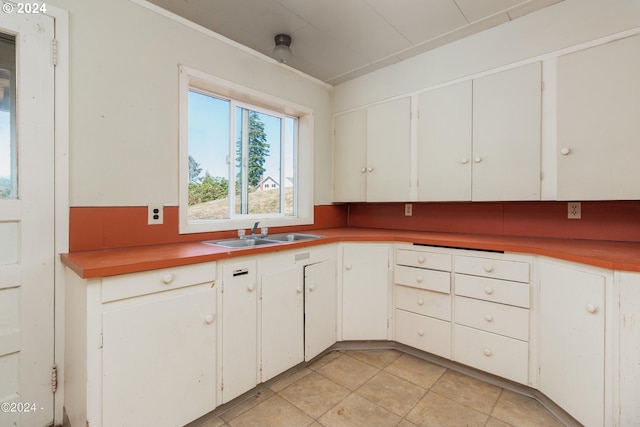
(155, 214)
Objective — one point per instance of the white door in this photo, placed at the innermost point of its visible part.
(26, 218)
(350, 157)
(320, 308)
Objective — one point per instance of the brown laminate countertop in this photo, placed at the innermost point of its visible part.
(606, 254)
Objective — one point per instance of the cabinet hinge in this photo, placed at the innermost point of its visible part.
(222, 385)
(222, 287)
(100, 341)
(54, 52)
(54, 378)
(542, 86)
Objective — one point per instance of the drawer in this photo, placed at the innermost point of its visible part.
(422, 259)
(505, 292)
(149, 282)
(492, 317)
(424, 333)
(438, 281)
(517, 271)
(420, 301)
(502, 356)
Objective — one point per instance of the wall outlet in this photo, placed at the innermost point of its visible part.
(574, 210)
(155, 214)
(408, 209)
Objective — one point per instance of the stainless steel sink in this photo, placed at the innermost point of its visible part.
(241, 243)
(291, 237)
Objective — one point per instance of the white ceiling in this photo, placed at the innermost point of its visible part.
(337, 40)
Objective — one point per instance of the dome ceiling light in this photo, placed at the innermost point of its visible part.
(282, 51)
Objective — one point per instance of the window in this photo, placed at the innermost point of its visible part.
(236, 147)
(8, 149)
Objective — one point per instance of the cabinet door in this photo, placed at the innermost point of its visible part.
(282, 321)
(349, 157)
(365, 292)
(444, 143)
(239, 329)
(571, 321)
(159, 360)
(320, 312)
(389, 151)
(506, 135)
(629, 318)
(598, 126)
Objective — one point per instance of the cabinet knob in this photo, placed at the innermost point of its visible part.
(477, 159)
(419, 279)
(348, 267)
(363, 170)
(464, 160)
(592, 308)
(421, 259)
(565, 151)
(488, 268)
(421, 332)
(488, 290)
(312, 287)
(168, 278)
(299, 290)
(488, 318)
(209, 319)
(487, 352)
(420, 301)
(369, 169)
(251, 287)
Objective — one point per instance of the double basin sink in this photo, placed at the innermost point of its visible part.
(250, 241)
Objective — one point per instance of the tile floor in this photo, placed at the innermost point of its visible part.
(382, 388)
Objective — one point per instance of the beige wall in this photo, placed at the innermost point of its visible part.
(124, 94)
(562, 25)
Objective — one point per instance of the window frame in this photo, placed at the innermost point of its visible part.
(190, 78)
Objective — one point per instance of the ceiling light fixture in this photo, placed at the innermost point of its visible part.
(282, 51)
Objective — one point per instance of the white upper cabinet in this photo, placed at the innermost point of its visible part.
(598, 142)
(506, 135)
(444, 143)
(372, 153)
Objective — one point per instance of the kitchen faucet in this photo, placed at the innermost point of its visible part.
(255, 228)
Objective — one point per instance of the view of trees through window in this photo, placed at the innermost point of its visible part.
(241, 159)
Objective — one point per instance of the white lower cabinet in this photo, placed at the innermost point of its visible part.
(320, 308)
(628, 388)
(239, 289)
(139, 342)
(282, 295)
(365, 291)
(572, 340)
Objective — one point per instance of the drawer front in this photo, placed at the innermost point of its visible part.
(424, 333)
(512, 293)
(502, 356)
(420, 301)
(495, 268)
(492, 317)
(438, 281)
(423, 259)
(149, 282)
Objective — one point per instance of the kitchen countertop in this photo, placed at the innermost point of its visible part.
(606, 254)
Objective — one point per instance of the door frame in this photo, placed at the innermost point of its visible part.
(61, 199)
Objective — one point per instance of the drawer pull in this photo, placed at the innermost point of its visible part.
(487, 352)
(168, 278)
(419, 279)
(421, 332)
(420, 301)
(251, 287)
(421, 260)
(592, 308)
(488, 268)
(488, 318)
(488, 290)
(209, 319)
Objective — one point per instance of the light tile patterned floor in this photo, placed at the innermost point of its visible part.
(383, 388)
